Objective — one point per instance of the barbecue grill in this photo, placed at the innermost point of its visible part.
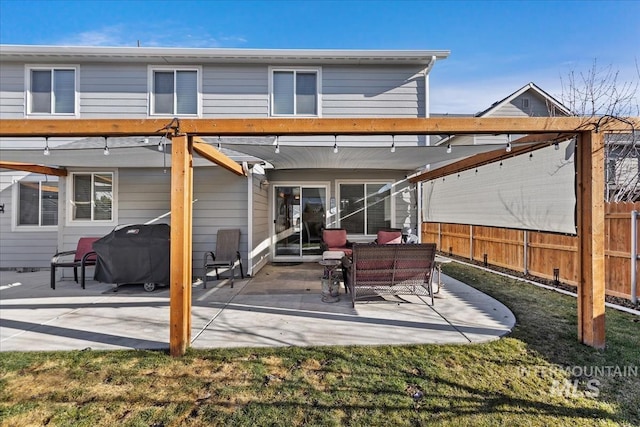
(134, 254)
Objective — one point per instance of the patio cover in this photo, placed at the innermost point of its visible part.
(143, 152)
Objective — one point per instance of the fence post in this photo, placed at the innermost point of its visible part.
(471, 242)
(525, 248)
(634, 256)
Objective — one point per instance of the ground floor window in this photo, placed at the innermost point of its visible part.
(37, 203)
(365, 208)
(92, 196)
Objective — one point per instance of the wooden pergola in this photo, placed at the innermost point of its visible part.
(186, 133)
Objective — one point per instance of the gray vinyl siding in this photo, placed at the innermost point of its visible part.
(235, 91)
(373, 91)
(22, 249)
(144, 194)
(113, 90)
(220, 201)
(537, 107)
(121, 91)
(260, 212)
(12, 96)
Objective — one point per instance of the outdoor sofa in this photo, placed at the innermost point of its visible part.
(405, 269)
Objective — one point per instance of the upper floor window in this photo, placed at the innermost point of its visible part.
(37, 203)
(51, 90)
(174, 91)
(295, 92)
(92, 196)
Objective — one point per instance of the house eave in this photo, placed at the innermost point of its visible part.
(170, 55)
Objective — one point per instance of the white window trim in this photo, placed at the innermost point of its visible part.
(151, 99)
(51, 67)
(317, 70)
(15, 201)
(69, 221)
(391, 182)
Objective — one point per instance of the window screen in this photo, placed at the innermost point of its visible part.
(365, 215)
(40, 91)
(53, 91)
(163, 95)
(38, 203)
(93, 197)
(295, 92)
(283, 92)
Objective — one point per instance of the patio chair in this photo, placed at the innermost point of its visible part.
(227, 254)
(391, 236)
(83, 256)
(335, 239)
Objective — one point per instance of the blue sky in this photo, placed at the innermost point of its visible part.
(496, 46)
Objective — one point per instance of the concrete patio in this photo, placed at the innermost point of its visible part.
(280, 306)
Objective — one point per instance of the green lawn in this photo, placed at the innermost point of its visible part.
(537, 376)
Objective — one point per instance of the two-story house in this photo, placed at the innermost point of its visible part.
(296, 187)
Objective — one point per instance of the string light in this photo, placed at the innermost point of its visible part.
(448, 148)
(46, 151)
(556, 146)
(277, 145)
(335, 144)
(160, 146)
(393, 144)
(508, 149)
(106, 147)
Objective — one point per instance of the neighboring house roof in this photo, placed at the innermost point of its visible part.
(171, 55)
(495, 110)
(558, 107)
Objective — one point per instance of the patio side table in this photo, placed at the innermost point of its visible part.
(438, 267)
(330, 280)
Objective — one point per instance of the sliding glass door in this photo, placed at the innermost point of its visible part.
(299, 218)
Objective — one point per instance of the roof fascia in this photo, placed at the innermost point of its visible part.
(119, 54)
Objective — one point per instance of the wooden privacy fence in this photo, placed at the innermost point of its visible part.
(545, 255)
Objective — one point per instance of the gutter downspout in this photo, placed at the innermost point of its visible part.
(249, 219)
(427, 70)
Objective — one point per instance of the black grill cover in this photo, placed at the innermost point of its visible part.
(134, 254)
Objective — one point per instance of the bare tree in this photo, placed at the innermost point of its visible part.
(600, 93)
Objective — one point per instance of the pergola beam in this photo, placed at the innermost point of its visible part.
(208, 152)
(31, 167)
(474, 162)
(276, 126)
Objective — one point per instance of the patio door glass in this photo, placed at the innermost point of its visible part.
(299, 218)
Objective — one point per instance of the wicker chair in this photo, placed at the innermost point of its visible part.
(391, 269)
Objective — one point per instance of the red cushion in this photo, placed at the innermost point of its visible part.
(389, 237)
(85, 244)
(335, 238)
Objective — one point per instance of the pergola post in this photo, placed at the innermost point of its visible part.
(181, 244)
(591, 237)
